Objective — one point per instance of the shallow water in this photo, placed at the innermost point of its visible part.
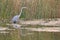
(32, 33)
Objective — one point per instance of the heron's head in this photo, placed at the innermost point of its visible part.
(24, 7)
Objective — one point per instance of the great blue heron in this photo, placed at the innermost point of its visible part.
(16, 17)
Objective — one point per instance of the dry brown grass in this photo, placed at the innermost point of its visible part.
(36, 8)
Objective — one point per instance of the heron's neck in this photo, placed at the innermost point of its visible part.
(20, 12)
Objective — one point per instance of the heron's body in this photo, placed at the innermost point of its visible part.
(16, 18)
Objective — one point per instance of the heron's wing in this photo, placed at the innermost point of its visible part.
(15, 18)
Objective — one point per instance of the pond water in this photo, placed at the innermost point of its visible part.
(25, 34)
